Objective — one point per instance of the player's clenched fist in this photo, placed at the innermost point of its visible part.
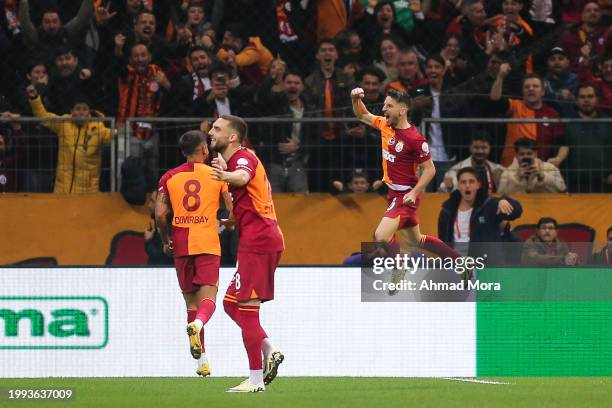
(357, 93)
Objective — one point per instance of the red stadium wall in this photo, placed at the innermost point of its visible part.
(318, 228)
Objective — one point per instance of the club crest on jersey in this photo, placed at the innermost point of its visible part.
(391, 141)
(399, 146)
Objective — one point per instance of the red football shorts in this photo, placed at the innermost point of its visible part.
(194, 271)
(254, 278)
(407, 214)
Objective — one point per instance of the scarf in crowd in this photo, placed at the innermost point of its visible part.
(139, 96)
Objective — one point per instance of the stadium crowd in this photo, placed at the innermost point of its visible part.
(300, 59)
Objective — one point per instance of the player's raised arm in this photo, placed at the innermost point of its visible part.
(162, 209)
(359, 108)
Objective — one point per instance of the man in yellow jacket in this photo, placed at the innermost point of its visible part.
(249, 53)
(80, 143)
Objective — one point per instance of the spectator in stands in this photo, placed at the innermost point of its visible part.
(196, 21)
(352, 58)
(52, 34)
(382, 23)
(141, 86)
(329, 89)
(120, 19)
(560, 82)
(358, 184)
(590, 161)
(36, 75)
(152, 238)
(365, 140)
(529, 174)
(220, 99)
(545, 249)
(602, 84)
(470, 216)
(143, 32)
(249, 53)
(388, 58)
(188, 86)
(11, 150)
(471, 25)
(489, 172)
(80, 144)
(517, 33)
(285, 149)
(604, 256)
(546, 135)
(591, 31)
(68, 81)
(457, 64)
(408, 73)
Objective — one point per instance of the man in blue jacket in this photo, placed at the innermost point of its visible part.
(470, 216)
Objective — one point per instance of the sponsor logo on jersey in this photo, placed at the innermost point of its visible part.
(391, 141)
(242, 161)
(425, 147)
(388, 156)
(399, 147)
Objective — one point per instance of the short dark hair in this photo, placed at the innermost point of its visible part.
(79, 99)
(401, 97)
(219, 67)
(547, 220)
(142, 12)
(239, 125)
(585, 85)
(294, 73)
(468, 169)
(609, 230)
(326, 40)
(371, 70)
(198, 48)
(436, 57)
(189, 141)
(64, 50)
(524, 143)
(481, 136)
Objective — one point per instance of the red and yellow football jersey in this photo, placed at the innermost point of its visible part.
(253, 207)
(402, 152)
(194, 197)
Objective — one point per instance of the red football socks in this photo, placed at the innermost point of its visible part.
(231, 308)
(438, 247)
(205, 310)
(252, 334)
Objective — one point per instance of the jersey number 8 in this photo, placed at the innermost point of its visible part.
(192, 190)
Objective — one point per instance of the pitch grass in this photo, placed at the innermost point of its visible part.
(323, 392)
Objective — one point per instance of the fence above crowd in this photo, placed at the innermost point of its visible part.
(73, 155)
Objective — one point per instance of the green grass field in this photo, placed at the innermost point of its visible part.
(324, 392)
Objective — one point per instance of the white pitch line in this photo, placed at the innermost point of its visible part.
(473, 380)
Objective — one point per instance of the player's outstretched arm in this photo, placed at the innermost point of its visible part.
(359, 109)
(162, 208)
(236, 178)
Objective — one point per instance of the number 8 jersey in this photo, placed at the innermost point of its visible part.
(194, 197)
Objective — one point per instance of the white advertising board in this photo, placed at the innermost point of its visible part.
(116, 322)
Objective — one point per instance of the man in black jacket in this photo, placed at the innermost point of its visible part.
(470, 215)
(284, 147)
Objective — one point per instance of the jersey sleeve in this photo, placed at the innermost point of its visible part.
(421, 149)
(163, 183)
(246, 162)
(378, 122)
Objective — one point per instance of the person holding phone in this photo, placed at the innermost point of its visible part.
(529, 174)
(220, 99)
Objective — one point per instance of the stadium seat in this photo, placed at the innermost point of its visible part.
(579, 237)
(127, 249)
